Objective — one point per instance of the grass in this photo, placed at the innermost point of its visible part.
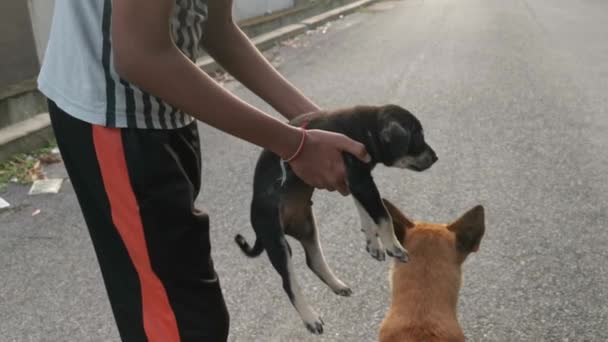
(24, 168)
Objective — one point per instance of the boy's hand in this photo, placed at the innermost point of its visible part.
(321, 164)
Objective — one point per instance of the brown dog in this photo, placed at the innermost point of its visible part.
(425, 290)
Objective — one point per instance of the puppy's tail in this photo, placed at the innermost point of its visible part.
(249, 251)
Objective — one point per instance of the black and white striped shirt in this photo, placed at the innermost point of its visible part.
(78, 72)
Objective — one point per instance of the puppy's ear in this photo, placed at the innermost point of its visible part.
(393, 132)
(400, 222)
(469, 230)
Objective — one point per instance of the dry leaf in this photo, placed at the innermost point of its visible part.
(50, 158)
(35, 173)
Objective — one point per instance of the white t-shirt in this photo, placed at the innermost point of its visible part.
(78, 72)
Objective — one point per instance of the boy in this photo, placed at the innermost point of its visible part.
(120, 78)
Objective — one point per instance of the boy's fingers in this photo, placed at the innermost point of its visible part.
(337, 185)
(343, 189)
(340, 179)
(357, 149)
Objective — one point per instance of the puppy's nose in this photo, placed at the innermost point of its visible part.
(431, 156)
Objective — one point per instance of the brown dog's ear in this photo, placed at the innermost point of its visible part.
(469, 229)
(400, 222)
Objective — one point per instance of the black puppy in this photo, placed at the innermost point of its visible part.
(282, 202)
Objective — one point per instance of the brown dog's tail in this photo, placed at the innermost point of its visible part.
(249, 251)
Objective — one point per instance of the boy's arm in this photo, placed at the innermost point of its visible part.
(144, 54)
(231, 48)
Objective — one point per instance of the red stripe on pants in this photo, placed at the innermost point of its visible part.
(159, 320)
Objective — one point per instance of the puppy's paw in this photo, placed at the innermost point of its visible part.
(375, 250)
(398, 253)
(343, 291)
(315, 327)
(377, 254)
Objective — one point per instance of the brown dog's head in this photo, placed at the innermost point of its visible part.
(452, 241)
(425, 290)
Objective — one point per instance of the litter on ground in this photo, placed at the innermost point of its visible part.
(4, 204)
(46, 186)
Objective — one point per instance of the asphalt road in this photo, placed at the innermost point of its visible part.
(512, 95)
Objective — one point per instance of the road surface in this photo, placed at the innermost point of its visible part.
(512, 95)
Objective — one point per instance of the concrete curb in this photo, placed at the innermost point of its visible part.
(267, 40)
(18, 88)
(35, 132)
(262, 42)
(25, 136)
(335, 13)
(21, 107)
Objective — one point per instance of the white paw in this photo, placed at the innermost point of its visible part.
(343, 291)
(374, 248)
(315, 327)
(398, 253)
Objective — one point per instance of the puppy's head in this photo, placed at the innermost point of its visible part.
(450, 243)
(402, 140)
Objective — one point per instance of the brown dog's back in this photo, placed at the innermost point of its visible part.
(425, 291)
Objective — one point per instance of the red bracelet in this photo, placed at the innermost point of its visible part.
(300, 148)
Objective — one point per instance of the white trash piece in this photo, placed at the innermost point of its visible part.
(46, 186)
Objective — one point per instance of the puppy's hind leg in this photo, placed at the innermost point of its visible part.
(316, 260)
(278, 252)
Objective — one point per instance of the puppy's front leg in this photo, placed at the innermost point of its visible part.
(371, 201)
(368, 227)
(363, 188)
